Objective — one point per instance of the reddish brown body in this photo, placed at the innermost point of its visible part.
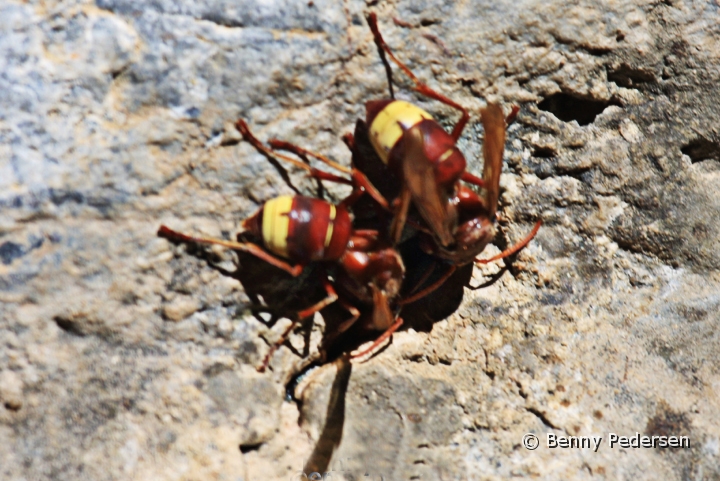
(425, 159)
(429, 166)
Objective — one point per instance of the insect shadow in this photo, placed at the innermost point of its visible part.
(270, 289)
(332, 431)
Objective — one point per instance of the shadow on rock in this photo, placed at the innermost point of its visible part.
(331, 434)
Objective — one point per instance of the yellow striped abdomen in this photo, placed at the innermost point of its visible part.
(303, 229)
(386, 130)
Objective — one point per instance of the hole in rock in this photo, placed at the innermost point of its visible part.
(568, 108)
(701, 149)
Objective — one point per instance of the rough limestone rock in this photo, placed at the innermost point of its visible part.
(123, 356)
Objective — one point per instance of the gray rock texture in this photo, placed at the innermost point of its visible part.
(123, 356)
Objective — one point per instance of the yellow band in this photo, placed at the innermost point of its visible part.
(331, 219)
(385, 130)
(447, 154)
(276, 224)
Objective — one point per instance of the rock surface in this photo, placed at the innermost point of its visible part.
(125, 357)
